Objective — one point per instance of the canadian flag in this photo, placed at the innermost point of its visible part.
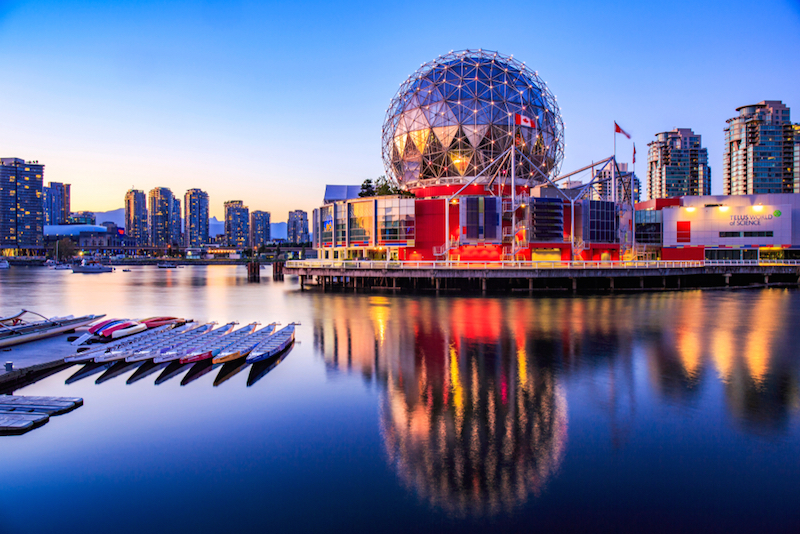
(634, 152)
(522, 120)
(617, 129)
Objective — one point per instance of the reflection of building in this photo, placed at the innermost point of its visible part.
(136, 217)
(56, 203)
(297, 227)
(21, 213)
(259, 228)
(195, 204)
(470, 422)
(237, 224)
(759, 151)
(677, 165)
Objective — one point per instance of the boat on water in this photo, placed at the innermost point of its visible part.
(132, 340)
(166, 265)
(19, 328)
(183, 349)
(63, 267)
(91, 267)
(242, 348)
(273, 345)
(4, 264)
(210, 350)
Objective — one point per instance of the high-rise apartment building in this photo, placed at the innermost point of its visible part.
(677, 165)
(82, 217)
(56, 203)
(160, 218)
(21, 205)
(259, 228)
(237, 224)
(760, 147)
(297, 227)
(175, 230)
(136, 217)
(602, 189)
(195, 217)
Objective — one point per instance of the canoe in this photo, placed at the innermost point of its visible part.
(213, 349)
(129, 331)
(167, 343)
(274, 345)
(243, 347)
(101, 324)
(91, 354)
(192, 345)
(106, 332)
(21, 331)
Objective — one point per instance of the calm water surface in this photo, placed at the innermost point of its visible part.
(673, 412)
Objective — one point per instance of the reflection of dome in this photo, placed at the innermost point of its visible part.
(453, 117)
(476, 445)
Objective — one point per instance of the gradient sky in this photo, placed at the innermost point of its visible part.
(268, 102)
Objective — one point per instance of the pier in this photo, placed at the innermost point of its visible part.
(521, 276)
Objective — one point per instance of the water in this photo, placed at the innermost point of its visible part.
(633, 413)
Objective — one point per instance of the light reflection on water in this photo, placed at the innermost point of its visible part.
(487, 411)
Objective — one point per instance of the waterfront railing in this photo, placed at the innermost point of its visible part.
(513, 264)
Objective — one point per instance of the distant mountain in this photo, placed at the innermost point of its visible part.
(215, 226)
(116, 216)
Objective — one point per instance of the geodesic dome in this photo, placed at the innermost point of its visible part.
(454, 118)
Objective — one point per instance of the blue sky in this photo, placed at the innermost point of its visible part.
(268, 102)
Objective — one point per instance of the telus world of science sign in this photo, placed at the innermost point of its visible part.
(728, 226)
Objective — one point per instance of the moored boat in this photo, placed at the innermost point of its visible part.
(274, 344)
(18, 329)
(243, 347)
(213, 349)
(4, 264)
(181, 350)
(91, 267)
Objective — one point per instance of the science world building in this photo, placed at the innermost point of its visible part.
(474, 139)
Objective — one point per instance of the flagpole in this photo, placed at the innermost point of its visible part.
(613, 174)
(633, 205)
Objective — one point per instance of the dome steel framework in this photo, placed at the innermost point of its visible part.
(454, 119)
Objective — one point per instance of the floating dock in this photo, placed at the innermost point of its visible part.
(21, 414)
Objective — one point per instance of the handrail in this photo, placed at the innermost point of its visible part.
(515, 264)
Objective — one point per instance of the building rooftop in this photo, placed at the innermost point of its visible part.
(335, 193)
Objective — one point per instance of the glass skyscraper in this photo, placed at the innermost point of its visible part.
(237, 224)
(136, 217)
(175, 223)
(56, 203)
(297, 227)
(160, 206)
(195, 205)
(760, 151)
(259, 228)
(21, 205)
(677, 165)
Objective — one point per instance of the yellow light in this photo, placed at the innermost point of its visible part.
(690, 210)
(724, 208)
(758, 208)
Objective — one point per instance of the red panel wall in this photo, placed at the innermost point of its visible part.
(683, 254)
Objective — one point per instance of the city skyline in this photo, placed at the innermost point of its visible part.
(240, 128)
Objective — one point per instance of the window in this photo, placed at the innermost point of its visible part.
(758, 234)
(730, 234)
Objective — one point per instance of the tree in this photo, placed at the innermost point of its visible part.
(262, 249)
(385, 186)
(367, 190)
(65, 248)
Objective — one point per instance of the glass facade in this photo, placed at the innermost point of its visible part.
(677, 165)
(395, 220)
(455, 117)
(161, 205)
(21, 204)
(136, 217)
(195, 219)
(547, 219)
(56, 200)
(362, 222)
(600, 222)
(480, 220)
(237, 224)
(760, 150)
(649, 226)
(260, 233)
(326, 226)
(297, 227)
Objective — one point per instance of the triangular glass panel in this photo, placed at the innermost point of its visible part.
(445, 134)
(460, 160)
(420, 138)
(400, 142)
(475, 133)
